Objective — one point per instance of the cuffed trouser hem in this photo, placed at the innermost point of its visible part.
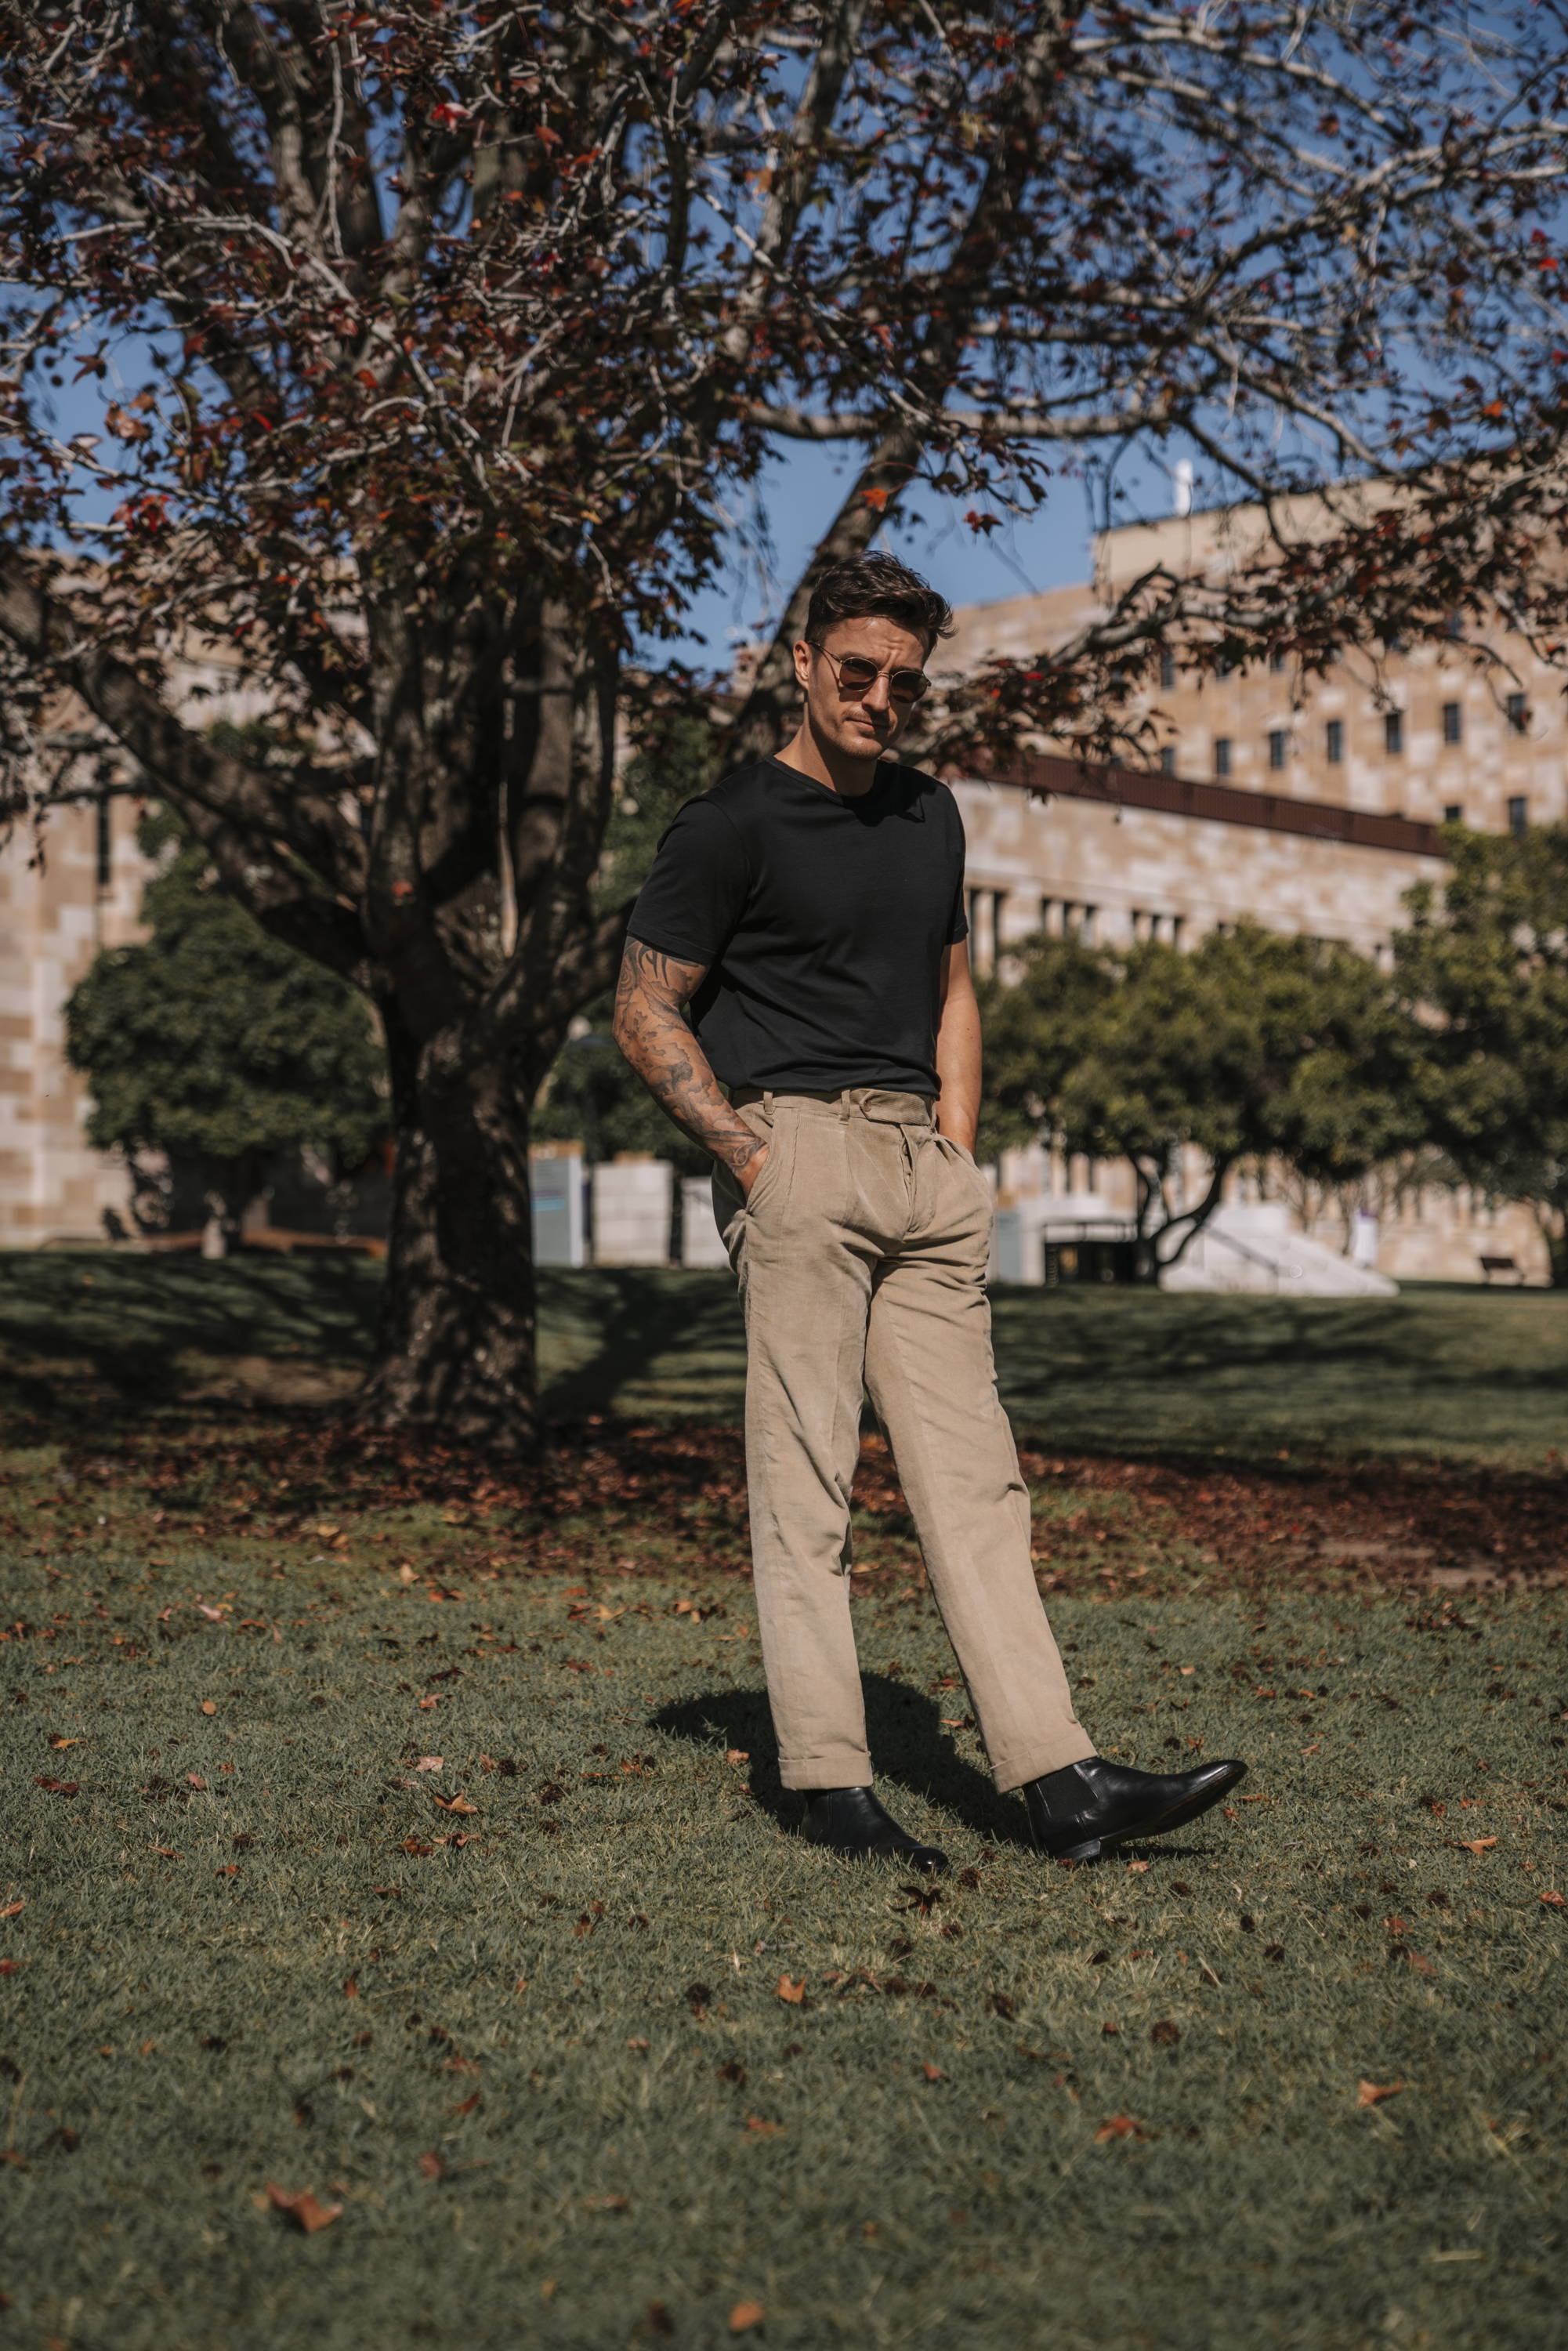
(1053, 1755)
(840, 1767)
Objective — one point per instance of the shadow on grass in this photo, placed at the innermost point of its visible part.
(907, 1742)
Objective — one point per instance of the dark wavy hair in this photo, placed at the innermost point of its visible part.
(879, 585)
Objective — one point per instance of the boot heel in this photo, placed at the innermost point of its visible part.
(1092, 1850)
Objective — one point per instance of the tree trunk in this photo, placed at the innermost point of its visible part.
(456, 1345)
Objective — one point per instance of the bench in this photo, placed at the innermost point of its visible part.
(1490, 1265)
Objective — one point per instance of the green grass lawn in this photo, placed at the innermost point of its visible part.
(614, 2058)
(1465, 1374)
(613, 2055)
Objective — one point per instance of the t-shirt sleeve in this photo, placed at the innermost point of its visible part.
(692, 900)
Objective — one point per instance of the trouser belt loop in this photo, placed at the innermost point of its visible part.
(767, 1100)
(846, 1105)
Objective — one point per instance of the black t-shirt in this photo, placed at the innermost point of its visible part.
(822, 919)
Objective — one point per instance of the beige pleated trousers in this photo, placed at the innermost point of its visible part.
(860, 1255)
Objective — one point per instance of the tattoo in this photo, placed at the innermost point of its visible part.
(651, 1029)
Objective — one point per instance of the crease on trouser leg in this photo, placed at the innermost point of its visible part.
(805, 1317)
(930, 1370)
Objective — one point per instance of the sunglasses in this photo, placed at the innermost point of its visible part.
(857, 673)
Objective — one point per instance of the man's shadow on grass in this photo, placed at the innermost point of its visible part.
(907, 1738)
(909, 1745)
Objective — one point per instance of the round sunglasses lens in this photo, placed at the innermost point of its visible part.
(855, 670)
(909, 684)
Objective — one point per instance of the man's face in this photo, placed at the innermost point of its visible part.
(861, 722)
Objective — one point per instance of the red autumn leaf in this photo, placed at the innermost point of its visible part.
(1372, 2093)
(1475, 1845)
(458, 1804)
(1555, 1900)
(58, 1787)
(1118, 2126)
(305, 2209)
(469, 2103)
(933, 2073)
(194, 1779)
(431, 2164)
(876, 500)
(745, 2314)
(351, 1987)
(11, 1908)
(763, 2130)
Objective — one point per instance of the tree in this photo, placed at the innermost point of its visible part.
(1252, 1047)
(1484, 963)
(593, 1095)
(461, 331)
(214, 1047)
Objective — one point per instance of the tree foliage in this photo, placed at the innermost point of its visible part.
(1484, 963)
(216, 1048)
(1251, 1047)
(456, 335)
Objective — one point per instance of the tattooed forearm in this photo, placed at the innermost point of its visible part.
(650, 998)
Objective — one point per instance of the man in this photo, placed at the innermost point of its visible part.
(809, 911)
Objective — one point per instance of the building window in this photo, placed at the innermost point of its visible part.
(105, 846)
(1454, 812)
(1045, 906)
(1086, 924)
(1167, 759)
(1179, 923)
(1167, 672)
(1333, 741)
(1518, 712)
(1222, 755)
(1277, 743)
(1453, 723)
(1394, 730)
(1518, 817)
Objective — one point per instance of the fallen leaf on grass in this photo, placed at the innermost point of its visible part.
(66, 1743)
(1118, 2126)
(745, 2314)
(165, 1852)
(11, 1908)
(58, 1787)
(1475, 1845)
(737, 1755)
(194, 1779)
(458, 1804)
(413, 1845)
(607, 2203)
(208, 1706)
(351, 1987)
(432, 2165)
(793, 1990)
(763, 2130)
(933, 2073)
(1555, 1900)
(1137, 1865)
(1372, 2093)
(432, 1762)
(305, 2211)
(1165, 2033)
(469, 2103)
